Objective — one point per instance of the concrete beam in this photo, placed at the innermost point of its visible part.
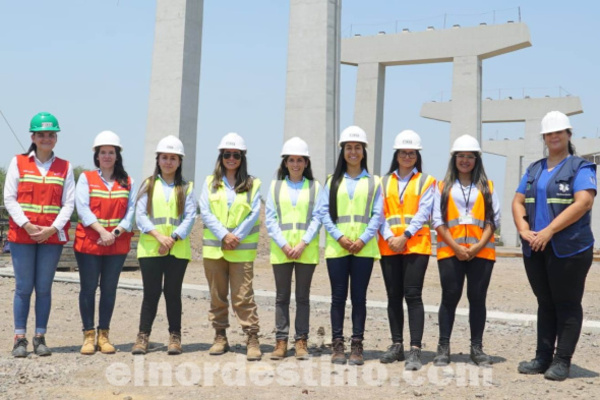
(175, 80)
(436, 45)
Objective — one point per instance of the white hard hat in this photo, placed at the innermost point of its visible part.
(465, 143)
(107, 138)
(295, 147)
(353, 133)
(170, 144)
(555, 121)
(408, 139)
(232, 141)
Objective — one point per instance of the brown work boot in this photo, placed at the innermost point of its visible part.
(141, 344)
(104, 344)
(280, 349)
(220, 344)
(253, 347)
(174, 344)
(338, 356)
(356, 352)
(301, 347)
(89, 347)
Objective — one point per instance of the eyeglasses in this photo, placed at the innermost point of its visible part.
(227, 156)
(469, 157)
(411, 155)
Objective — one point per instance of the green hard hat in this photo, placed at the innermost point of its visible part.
(44, 121)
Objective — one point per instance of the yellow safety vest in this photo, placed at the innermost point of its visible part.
(295, 220)
(354, 216)
(231, 218)
(166, 220)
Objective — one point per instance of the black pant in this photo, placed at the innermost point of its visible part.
(358, 271)
(478, 272)
(403, 276)
(153, 270)
(558, 284)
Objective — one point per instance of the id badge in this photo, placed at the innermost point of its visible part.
(465, 220)
(61, 235)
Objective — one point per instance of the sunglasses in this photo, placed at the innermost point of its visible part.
(227, 156)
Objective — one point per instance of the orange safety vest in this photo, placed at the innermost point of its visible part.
(110, 208)
(40, 198)
(399, 214)
(467, 235)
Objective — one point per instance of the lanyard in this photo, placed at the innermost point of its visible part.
(465, 197)
(405, 186)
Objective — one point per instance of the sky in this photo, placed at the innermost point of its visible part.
(89, 63)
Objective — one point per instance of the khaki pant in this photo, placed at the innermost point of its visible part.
(222, 274)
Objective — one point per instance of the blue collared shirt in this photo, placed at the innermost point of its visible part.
(82, 202)
(212, 222)
(189, 212)
(272, 222)
(377, 215)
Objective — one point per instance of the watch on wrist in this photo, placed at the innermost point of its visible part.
(117, 232)
(407, 234)
(174, 236)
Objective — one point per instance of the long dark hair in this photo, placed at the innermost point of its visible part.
(338, 175)
(32, 147)
(119, 172)
(243, 181)
(283, 170)
(570, 147)
(395, 165)
(478, 177)
(148, 187)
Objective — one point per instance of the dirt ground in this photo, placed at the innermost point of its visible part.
(69, 375)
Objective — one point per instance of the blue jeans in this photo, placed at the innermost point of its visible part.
(34, 266)
(357, 270)
(93, 268)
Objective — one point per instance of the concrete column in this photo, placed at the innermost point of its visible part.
(175, 81)
(466, 97)
(510, 237)
(534, 143)
(368, 109)
(312, 92)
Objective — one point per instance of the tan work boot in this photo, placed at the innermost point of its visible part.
(104, 344)
(280, 349)
(141, 344)
(301, 347)
(253, 347)
(338, 356)
(174, 344)
(89, 345)
(220, 344)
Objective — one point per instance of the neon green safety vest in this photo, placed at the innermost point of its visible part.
(165, 219)
(294, 220)
(231, 218)
(354, 216)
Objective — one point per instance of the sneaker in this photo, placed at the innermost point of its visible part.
(356, 352)
(394, 353)
(39, 346)
(442, 357)
(413, 362)
(338, 348)
(535, 366)
(20, 347)
(558, 370)
(479, 357)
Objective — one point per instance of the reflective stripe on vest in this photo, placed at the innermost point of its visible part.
(165, 212)
(353, 217)
(40, 198)
(466, 234)
(231, 218)
(294, 221)
(400, 212)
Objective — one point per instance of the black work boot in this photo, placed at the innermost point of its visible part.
(442, 357)
(558, 370)
(20, 347)
(39, 346)
(413, 362)
(479, 357)
(538, 365)
(394, 353)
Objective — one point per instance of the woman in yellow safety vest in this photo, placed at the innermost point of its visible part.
(351, 211)
(165, 214)
(230, 207)
(466, 213)
(405, 244)
(293, 225)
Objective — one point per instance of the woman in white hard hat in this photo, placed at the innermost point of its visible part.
(351, 211)
(551, 210)
(165, 213)
(230, 207)
(466, 212)
(405, 244)
(39, 195)
(105, 201)
(293, 225)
